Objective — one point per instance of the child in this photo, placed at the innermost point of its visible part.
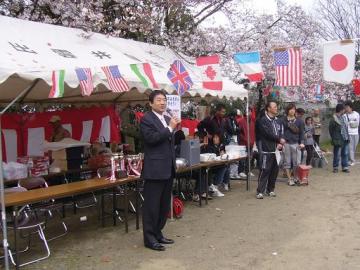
(309, 131)
(221, 174)
(199, 191)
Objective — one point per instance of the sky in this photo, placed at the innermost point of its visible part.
(269, 6)
(262, 6)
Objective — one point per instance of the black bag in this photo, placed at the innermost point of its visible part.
(293, 127)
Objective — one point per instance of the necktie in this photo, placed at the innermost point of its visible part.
(164, 121)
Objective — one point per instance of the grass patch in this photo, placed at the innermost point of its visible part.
(326, 145)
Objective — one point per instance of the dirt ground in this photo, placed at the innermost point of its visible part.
(313, 227)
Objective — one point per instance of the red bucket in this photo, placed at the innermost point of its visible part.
(302, 174)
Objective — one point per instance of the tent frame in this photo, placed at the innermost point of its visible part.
(20, 97)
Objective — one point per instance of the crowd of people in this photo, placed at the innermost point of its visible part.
(277, 142)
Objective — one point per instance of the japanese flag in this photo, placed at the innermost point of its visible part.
(339, 61)
(210, 72)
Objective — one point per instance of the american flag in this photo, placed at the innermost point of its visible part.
(180, 78)
(86, 82)
(288, 66)
(115, 80)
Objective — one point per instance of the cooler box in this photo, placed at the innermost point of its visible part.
(190, 150)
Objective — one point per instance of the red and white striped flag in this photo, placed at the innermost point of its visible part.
(115, 80)
(288, 67)
(85, 79)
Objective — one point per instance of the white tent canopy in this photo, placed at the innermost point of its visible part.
(31, 50)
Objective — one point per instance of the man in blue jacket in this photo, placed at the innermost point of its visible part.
(269, 138)
(159, 168)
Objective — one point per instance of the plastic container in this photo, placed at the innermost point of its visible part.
(302, 174)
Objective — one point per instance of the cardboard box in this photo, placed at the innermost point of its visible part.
(68, 164)
(69, 153)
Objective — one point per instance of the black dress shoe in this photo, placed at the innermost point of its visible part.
(156, 246)
(166, 241)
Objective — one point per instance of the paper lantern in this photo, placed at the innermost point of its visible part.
(356, 85)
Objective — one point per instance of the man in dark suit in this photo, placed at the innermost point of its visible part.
(159, 169)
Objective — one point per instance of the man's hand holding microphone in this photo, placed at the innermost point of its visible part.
(174, 122)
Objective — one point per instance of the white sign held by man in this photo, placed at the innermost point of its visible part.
(173, 108)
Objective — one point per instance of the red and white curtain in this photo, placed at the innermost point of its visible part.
(24, 134)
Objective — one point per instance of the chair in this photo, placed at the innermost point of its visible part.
(82, 201)
(45, 207)
(27, 221)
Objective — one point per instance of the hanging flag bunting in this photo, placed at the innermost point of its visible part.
(356, 85)
(288, 66)
(115, 80)
(339, 61)
(180, 78)
(144, 73)
(318, 92)
(210, 71)
(57, 88)
(86, 81)
(250, 64)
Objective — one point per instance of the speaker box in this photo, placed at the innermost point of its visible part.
(190, 150)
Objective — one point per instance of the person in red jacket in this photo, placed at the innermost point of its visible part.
(243, 140)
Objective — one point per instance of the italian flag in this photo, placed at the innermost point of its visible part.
(57, 89)
(144, 73)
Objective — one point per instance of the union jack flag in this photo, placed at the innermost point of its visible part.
(180, 78)
(115, 80)
(85, 79)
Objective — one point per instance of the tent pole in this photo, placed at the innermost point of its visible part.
(248, 145)
(2, 188)
(28, 90)
(3, 210)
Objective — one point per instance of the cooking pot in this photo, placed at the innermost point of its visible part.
(181, 163)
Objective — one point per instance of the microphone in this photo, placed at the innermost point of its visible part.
(169, 112)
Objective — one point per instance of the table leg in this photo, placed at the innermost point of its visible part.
(102, 214)
(126, 208)
(179, 186)
(200, 186)
(15, 213)
(114, 206)
(137, 208)
(207, 185)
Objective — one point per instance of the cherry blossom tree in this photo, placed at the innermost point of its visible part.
(184, 27)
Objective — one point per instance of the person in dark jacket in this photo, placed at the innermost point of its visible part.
(294, 136)
(269, 139)
(159, 168)
(309, 139)
(339, 139)
(216, 124)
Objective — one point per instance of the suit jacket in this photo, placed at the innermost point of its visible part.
(159, 150)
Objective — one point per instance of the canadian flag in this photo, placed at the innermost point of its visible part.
(339, 61)
(210, 72)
